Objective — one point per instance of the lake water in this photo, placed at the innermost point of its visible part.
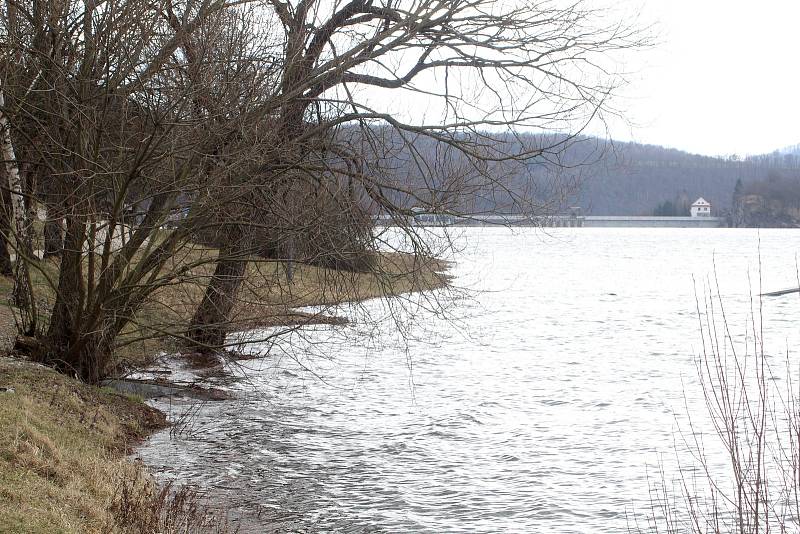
(538, 403)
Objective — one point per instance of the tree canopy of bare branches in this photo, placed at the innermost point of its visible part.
(272, 126)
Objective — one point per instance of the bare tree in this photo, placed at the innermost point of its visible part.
(738, 466)
(147, 125)
(518, 66)
(22, 224)
(113, 111)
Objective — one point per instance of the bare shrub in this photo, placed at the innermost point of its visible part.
(738, 463)
(140, 506)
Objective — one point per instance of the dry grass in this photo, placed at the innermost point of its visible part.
(62, 447)
(63, 466)
(267, 293)
(267, 298)
(140, 506)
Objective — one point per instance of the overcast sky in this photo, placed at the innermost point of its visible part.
(724, 79)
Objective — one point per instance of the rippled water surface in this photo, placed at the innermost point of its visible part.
(536, 405)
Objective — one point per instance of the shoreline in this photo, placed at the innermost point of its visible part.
(65, 446)
(63, 451)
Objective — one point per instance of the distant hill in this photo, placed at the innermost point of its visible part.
(634, 179)
(602, 177)
(615, 178)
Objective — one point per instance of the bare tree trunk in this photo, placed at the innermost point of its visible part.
(22, 226)
(289, 264)
(70, 346)
(211, 320)
(6, 267)
(68, 308)
(53, 237)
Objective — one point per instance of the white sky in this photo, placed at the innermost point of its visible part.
(724, 79)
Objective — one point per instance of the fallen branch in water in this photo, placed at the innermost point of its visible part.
(781, 292)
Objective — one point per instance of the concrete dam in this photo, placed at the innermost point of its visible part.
(560, 221)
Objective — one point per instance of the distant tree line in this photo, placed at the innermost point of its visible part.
(634, 179)
(607, 178)
(783, 187)
(673, 208)
(770, 202)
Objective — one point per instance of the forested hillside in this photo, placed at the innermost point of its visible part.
(634, 179)
(602, 177)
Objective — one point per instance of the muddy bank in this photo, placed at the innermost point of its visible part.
(148, 390)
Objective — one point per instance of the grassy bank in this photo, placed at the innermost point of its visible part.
(63, 444)
(62, 448)
(267, 298)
